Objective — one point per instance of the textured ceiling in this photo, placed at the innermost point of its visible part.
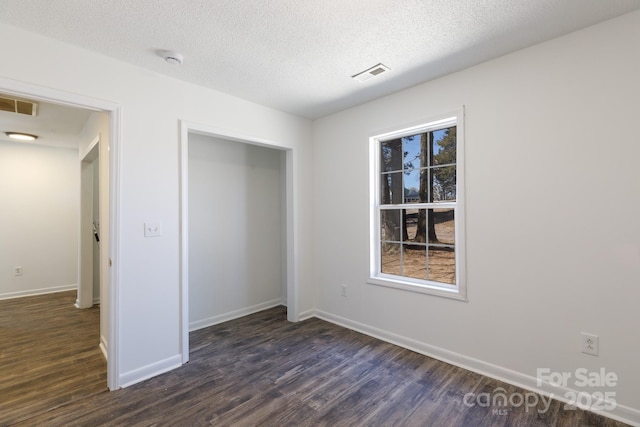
(298, 55)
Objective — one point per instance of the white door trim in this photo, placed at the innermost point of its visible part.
(86, 245)
(54, 96)
(291, 274)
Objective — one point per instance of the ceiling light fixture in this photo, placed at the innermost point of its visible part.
(173, 58)
(21, 136)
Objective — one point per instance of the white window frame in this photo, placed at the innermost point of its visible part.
(376, 277)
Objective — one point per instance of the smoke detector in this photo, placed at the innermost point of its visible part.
(171, 57)
(374, 71)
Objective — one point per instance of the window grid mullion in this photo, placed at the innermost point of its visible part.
(438, 205)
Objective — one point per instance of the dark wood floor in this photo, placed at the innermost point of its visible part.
(49, 355)
(261, 370)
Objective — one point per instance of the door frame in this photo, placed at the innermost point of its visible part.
(86, 255)
(187, 128)
(54, 96)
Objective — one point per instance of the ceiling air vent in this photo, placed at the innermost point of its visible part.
(374, 71)
(18, 106)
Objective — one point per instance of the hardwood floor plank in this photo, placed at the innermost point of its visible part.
(49, 355)
(261, 370)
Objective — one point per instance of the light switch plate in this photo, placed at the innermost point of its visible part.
(152, 229)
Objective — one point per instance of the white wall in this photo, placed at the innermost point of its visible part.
(235, 234)
(39, 193)
(151, 107)
(553, 239)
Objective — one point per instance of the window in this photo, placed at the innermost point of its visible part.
(417, 216)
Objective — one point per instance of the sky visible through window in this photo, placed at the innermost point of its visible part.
(412, 149)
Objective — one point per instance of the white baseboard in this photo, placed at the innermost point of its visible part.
(42, 291)
(144, 373)
(621, 413)
(96, 301)
(210, 321)
(307, 315)
(103, 347)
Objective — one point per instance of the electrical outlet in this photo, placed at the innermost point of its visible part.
(152, 229)
(343, 291)
(17, 271)
(589, 344)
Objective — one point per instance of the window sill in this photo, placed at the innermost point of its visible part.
(452, 293)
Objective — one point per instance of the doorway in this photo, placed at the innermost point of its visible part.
(109, 154)
(242, 215)
(89, 251)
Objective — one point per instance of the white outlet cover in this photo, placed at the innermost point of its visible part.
(589, 344)
(152, 229)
